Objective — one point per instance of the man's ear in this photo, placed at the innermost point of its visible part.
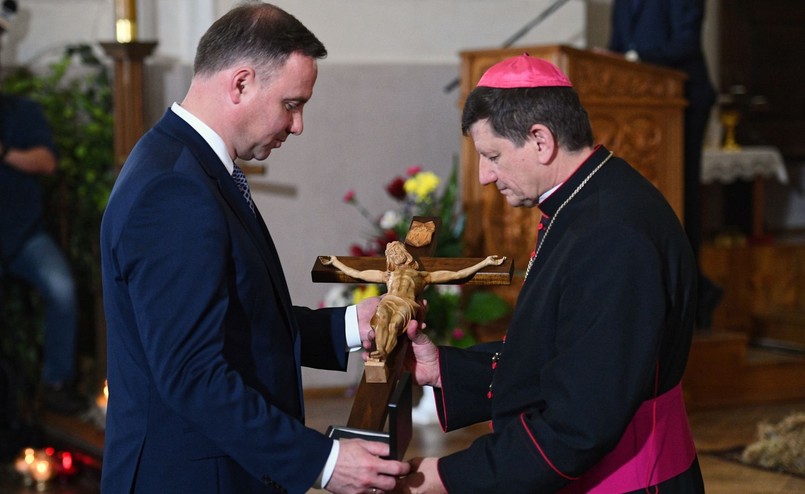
(542, 138)
(241, 81)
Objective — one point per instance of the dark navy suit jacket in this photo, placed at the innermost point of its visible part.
(204, 345)
(667, 33)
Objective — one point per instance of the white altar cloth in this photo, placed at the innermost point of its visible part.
(749, 163)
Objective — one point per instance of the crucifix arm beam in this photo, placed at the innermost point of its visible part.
(489, 275)
(443, 276)
(370, 275)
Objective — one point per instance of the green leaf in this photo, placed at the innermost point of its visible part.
(76, 96)
(484, 307)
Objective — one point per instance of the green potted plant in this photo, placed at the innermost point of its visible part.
(75, 93)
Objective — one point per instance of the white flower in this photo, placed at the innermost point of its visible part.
(448, 289)
(390, 219)
(338, 296)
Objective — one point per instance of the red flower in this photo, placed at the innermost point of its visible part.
(396, 188)
(413, 170)
(357, 251)
(349, 196)
(384, 239)
(391, 236)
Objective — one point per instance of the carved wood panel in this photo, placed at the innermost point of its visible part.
(768, 283)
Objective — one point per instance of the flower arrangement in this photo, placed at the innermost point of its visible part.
(451, 310)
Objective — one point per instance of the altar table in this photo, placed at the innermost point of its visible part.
(754, 163)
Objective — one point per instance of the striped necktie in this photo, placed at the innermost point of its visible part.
(240, 180)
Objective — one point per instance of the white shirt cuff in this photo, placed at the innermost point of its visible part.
(329, 466)
(353, 334)
(353, 337)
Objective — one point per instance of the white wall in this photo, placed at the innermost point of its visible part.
(428, 31)
(44, 25)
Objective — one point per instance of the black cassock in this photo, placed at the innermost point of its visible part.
(603, 323)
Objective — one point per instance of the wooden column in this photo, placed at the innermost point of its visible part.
(129, 127)
(128, 95)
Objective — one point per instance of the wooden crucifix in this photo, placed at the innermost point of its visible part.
(382, 371)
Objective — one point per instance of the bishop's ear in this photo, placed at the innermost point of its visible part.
(542, 138)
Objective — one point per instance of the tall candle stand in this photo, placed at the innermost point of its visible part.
(128, 54)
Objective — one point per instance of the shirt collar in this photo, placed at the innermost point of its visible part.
(214, 140)
(547, 194)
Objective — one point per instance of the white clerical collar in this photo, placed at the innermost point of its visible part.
(549, 192)
(209, 135)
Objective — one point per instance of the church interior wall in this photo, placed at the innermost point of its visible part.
(379, 105)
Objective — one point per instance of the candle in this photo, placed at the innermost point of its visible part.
(126, 9)
(126, 20)
(41, 470)
(103, 398)
(24, 462)
(23, 467)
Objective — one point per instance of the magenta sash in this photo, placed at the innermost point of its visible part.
(656, 446)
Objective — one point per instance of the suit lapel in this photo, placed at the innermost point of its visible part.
(255, 226)
(277, 275)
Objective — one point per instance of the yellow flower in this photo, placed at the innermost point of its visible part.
(421, 185)
(364, 292)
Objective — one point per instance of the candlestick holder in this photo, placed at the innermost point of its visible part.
(730, 120)
(125, 21)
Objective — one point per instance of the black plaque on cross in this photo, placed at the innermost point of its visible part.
(376, 401)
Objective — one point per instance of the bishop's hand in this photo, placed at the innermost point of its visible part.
(422, 360)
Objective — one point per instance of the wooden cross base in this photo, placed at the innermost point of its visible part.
(376, 371)
(400, 427)
(369, 409)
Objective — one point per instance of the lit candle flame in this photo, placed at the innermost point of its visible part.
(103, 398)
(126, 20)
(42, 470)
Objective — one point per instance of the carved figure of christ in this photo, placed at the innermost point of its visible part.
(404, 281)
(373, 397)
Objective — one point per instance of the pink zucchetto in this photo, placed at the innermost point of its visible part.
(524, 71)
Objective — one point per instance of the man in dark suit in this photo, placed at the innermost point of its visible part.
(584, 392)
(669, 33)
(204, 344)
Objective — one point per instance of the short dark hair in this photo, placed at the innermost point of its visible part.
(512, 111)
(260, 33)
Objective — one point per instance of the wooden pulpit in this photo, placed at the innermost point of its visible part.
(636, 110)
